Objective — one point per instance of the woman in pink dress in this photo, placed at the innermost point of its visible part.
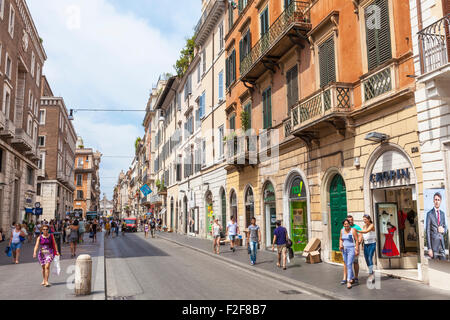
(47, 253)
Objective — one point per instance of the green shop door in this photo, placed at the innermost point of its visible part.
(338, 208)
(299, 225)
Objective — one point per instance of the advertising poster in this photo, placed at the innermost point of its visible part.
(388, 230)
(436, 225)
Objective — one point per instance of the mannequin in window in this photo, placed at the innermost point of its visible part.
(390, 248)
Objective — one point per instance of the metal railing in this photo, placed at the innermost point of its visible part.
(240, 147)
(288, 127)
(204, 16)
(435, 45)
(378, 83)
(335, 98)
(296, 12)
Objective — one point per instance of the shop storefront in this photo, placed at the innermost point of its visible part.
(209, 212)
(233, 205)
(270, 213)
(298, 212)
(393, 197)
(223, 202)
(338, 213)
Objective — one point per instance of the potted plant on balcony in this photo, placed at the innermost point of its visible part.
(162, 190)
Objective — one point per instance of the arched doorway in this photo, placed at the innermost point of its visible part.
(176, 216)
(223, 202)
(249, 206)
(270, 212)
(233, 205)
(338, 213)
(298, 213)
(209, 219)
(171, 214)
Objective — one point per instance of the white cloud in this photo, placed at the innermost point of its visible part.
(104, 58)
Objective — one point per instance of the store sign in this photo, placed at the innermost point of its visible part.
(390, 176)
(269, 194)
(298, 190)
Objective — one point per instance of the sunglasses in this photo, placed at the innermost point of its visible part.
(45, 229)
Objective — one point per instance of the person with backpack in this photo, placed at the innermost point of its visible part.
(280, 238)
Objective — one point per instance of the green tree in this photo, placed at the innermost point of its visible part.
(136, 143)
(186, 56)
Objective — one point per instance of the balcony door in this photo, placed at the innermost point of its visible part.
(264, 19)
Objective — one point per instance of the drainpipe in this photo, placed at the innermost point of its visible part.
(420, 27)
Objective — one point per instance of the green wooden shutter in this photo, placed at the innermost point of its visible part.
(327, 64)
(227, 73)
(379, 49)
(240, 6)
(241, 50)
(267, 108)
(234, 65)
(292, 87)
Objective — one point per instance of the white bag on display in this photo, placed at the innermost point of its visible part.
(56, 266)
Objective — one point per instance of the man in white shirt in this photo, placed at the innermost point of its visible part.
(232, 232)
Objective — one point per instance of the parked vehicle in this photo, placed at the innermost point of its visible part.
(131, 224)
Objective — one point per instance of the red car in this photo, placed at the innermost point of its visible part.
(131, 224)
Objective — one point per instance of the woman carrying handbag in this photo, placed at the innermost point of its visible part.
(47, 252)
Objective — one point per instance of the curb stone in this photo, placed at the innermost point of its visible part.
(321, 292)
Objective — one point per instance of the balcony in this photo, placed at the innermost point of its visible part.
(241, 151)
(434, 42)
(9, 130)
(289, 28)
(330, 105)
(2, 121)
(155, 199)
(22, 141)
(209, 19)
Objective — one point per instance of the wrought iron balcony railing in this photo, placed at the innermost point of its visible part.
(379, 83)
(333, 99)
(296, 12)
(242, 149)
(287, 127)
(435, 45)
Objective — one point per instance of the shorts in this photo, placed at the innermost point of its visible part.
(217, 237)
(232, 237)
(281, 248)
(15, 246)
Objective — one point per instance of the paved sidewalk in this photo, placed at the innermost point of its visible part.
(323, 278)
(22, 281)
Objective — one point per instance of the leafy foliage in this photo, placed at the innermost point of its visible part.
(186, 56)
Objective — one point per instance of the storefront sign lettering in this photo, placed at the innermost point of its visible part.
(390, 175)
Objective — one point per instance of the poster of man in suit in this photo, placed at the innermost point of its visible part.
(436, 225)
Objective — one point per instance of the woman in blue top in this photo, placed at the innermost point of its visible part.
(349, 246)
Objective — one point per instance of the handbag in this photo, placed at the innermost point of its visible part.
(8, 251)
(289, 243)
(91, 234)
(22, 239)
(56, 266)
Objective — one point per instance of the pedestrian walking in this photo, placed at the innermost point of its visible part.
(73, 237)
(356, 260)
(30, 229)
(15, 242)
(108, 228)
(113, 228)
(349, 246)
(216, 229)
(232, 232)
(152, 227)
(37, 229)
(280, 238)
(81, 230)
(146, 229)
(253, 240)
(370, 243)
(47, 252)
(94, 231)
(117, 228)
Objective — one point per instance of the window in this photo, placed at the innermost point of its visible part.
(41, 162)
(292, 87)
(30, 176)
(2, 8)
(38, 74)
(204, 61)
(204, 152)
(1, 46)
(199, 76)
(202, 104)
(8, 66)
(39, 186)
(42, 117)
(80, 194)
(287, 3)
(231, 68)
(327, 62)
(245, 46)
(30, 126)
(221, 142)
(41, 141)
(79, 180)
(1, 160)
(188, 87)
(378, 40)
(241, 5)
(221, 85)
(230, 16)
(264, 18)
(6, 100)
(35, 130)
(12, 17)
(33, 62)
(221, 37)
(267, 108)
(233, 122)
(179, 101)
(248, 110)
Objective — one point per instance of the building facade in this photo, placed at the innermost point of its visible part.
(87, 180)
(56, 142)
(22, 57)
(106, 207)
(430, 22)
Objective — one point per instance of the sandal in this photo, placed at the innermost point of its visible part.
(278, 265)
(349, 287)
(343, 282)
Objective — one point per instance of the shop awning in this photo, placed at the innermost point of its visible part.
(163, 211)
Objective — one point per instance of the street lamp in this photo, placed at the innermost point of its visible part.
(376, 137)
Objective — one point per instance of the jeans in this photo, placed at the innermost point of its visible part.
(349, 255)
(369, 250)
(254, 249)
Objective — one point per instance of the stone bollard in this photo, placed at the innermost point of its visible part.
(83, 275)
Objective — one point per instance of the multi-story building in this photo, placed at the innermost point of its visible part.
(328, 87)
(87, 180)
(121, 196)
(56, 142)
(430, 22)
(22, 57)
(106, 207)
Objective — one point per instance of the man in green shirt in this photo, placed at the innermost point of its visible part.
(30, 231)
